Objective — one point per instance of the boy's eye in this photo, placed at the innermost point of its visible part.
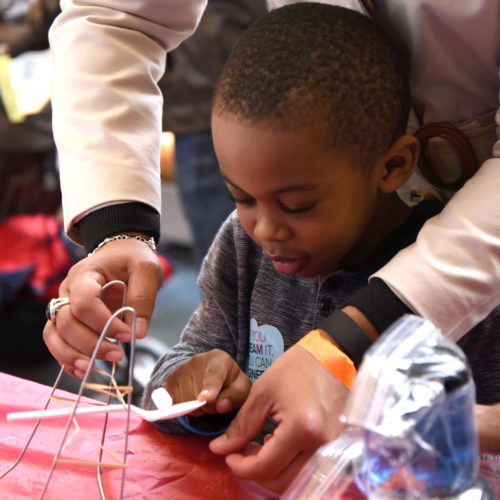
(241, 201)
(248, 200)
(296, 210)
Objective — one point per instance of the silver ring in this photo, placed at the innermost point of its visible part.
(53, 307)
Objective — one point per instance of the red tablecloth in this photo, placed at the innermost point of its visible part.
(490, 470)
(159, 466)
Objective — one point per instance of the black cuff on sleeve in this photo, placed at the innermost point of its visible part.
(116, 219)
(379, 304)
(351, 338)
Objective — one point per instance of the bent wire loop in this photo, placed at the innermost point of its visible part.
(83, 385)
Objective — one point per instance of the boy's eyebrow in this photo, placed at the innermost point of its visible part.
(308, 186)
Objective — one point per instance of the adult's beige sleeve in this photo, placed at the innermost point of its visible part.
(451, 275)
(107, 57)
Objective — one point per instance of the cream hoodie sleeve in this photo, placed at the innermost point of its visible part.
(107, 58)
(451, 275)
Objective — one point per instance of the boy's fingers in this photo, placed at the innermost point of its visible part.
(196, 378)
(247, 424)
(233, 396)
(181, 383)
(217, 367)
(249, 465)
(270, 461)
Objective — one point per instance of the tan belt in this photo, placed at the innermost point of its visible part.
(451, 154)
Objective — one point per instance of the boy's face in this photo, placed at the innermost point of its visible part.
(304, 206)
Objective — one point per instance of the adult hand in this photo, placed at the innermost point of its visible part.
(72, 337)
(213, 377)
(305, 399)
(488, 428)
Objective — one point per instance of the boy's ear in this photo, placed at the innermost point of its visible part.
(399, 163)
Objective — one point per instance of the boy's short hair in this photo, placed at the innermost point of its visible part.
(310, 64)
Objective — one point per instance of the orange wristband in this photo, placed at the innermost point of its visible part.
(330, 356)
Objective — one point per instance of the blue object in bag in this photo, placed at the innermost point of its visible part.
(419, 433)
(411, 430)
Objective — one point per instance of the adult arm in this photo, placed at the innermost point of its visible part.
(451, 275)
(107, 57)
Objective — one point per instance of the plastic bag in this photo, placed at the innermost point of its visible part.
(410, 421)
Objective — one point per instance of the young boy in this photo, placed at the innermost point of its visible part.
(309, 120)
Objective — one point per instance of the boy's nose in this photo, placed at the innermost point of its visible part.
(269, 229)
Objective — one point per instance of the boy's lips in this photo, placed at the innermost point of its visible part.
(287, 265)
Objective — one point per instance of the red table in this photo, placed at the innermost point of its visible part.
(490, 470)
(159, 466)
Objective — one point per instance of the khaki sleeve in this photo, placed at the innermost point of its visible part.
(107, 57)
(451, 275)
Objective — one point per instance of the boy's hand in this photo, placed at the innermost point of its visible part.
(213, 377)
(305, 398)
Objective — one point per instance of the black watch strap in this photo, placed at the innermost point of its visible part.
(379, 304)
(348, 334)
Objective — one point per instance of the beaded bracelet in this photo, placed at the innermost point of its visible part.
(151, 242)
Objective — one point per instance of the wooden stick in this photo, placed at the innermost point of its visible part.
(93, 464)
